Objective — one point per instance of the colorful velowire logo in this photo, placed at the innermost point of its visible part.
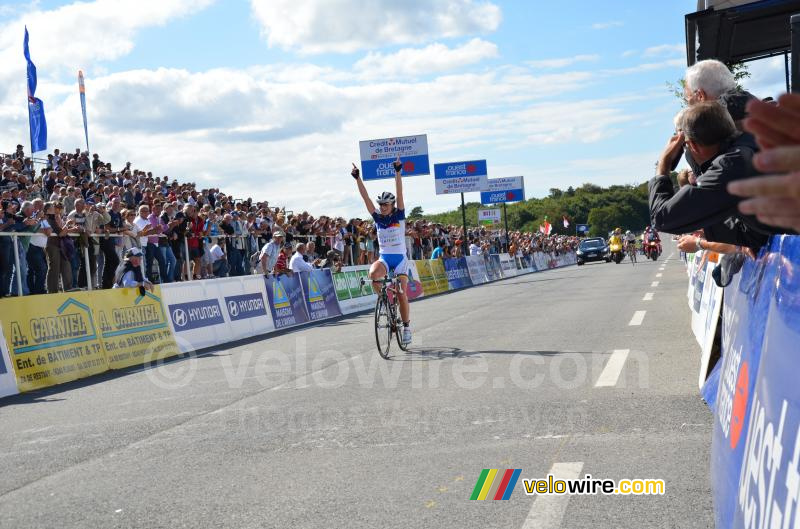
(496, 484)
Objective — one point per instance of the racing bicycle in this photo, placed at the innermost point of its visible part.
(631, 250)
(387, 315)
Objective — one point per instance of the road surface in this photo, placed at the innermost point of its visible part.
(582, 370)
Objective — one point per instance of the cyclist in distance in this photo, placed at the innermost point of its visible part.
(390, 222)
(630, 242)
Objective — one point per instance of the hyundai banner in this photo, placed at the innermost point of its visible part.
(508, 189)
(377, 156)
(460, 177)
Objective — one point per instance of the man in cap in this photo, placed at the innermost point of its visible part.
(269, 253)
(129, 274)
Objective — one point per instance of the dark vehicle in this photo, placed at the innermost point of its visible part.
(594, 249)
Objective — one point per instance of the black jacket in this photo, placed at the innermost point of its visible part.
(708, 205)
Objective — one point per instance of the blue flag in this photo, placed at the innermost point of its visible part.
(38, 125)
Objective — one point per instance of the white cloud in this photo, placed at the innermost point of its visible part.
(342, 26)
(646, 67)
(665, 50)
(562, 62)
(629, 53)
(608, 25)
(767, 77)
(417, 62)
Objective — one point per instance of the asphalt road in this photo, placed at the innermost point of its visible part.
(311, 429)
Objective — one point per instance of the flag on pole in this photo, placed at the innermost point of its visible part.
(36, 121)
(566, 222)
(82, 90)
(545, 228)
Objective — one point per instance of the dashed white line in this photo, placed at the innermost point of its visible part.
(654, 284)
(548, 510)
(648, 297)
(637, 319)
(659, 275)
(613, 368)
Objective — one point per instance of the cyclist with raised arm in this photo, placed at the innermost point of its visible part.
(390, 222)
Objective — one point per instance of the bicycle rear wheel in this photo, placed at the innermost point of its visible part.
(383, 327)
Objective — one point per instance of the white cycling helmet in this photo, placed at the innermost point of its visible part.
(386, 198)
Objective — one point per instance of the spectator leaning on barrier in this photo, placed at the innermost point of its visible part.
(109, 245)
(129, 274)
(724, 155)
(297, 263)
(270, 252)
(219, 261)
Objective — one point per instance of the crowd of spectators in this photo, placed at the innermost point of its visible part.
(80, 216)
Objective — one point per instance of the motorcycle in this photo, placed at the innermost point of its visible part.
(616, 254)
(652, 250)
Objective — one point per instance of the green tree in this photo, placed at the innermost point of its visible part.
(416, 213)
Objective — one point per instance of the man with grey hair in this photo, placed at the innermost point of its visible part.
(723, 155)
(711, 80)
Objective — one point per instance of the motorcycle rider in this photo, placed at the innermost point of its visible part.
(616, 240)
(651, 235)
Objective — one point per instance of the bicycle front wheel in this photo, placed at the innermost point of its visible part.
(383, 327)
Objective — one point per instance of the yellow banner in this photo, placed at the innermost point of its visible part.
(430, 285)
(58, 338)
(437, 267)
(133, 328)
(52, 339)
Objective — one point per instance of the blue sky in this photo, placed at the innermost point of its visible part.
(269, 98)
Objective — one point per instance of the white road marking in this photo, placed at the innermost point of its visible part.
(654, 284)
(637, 319)
(548, 510)
(659, 275)
(613, 368)
(648, 297)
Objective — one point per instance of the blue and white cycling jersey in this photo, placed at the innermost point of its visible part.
(392, 240)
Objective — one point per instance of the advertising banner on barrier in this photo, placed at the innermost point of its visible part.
(319, 294)
(477, 269)
(508, 265)
(134, 329)
(8, 382)
(377, 156)
(286, 300)
(493, 268)
(768, 484)
(746, 308)
(457, 273)
(196, 314)
(351, 294)
(440, 275)
(460, 177)
(52, 339)
(429, 286)
(414, 290)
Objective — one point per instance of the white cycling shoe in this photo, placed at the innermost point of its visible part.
(406, 336)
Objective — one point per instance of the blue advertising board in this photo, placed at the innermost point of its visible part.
(769, 481)
(245, 306)
(457, 273)
(319, 294)
(377, 156)
(460, 177)
(582, 228)
(493, 269)
(507, 189)
(195, 314)
(286, 300)
(747, 300)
